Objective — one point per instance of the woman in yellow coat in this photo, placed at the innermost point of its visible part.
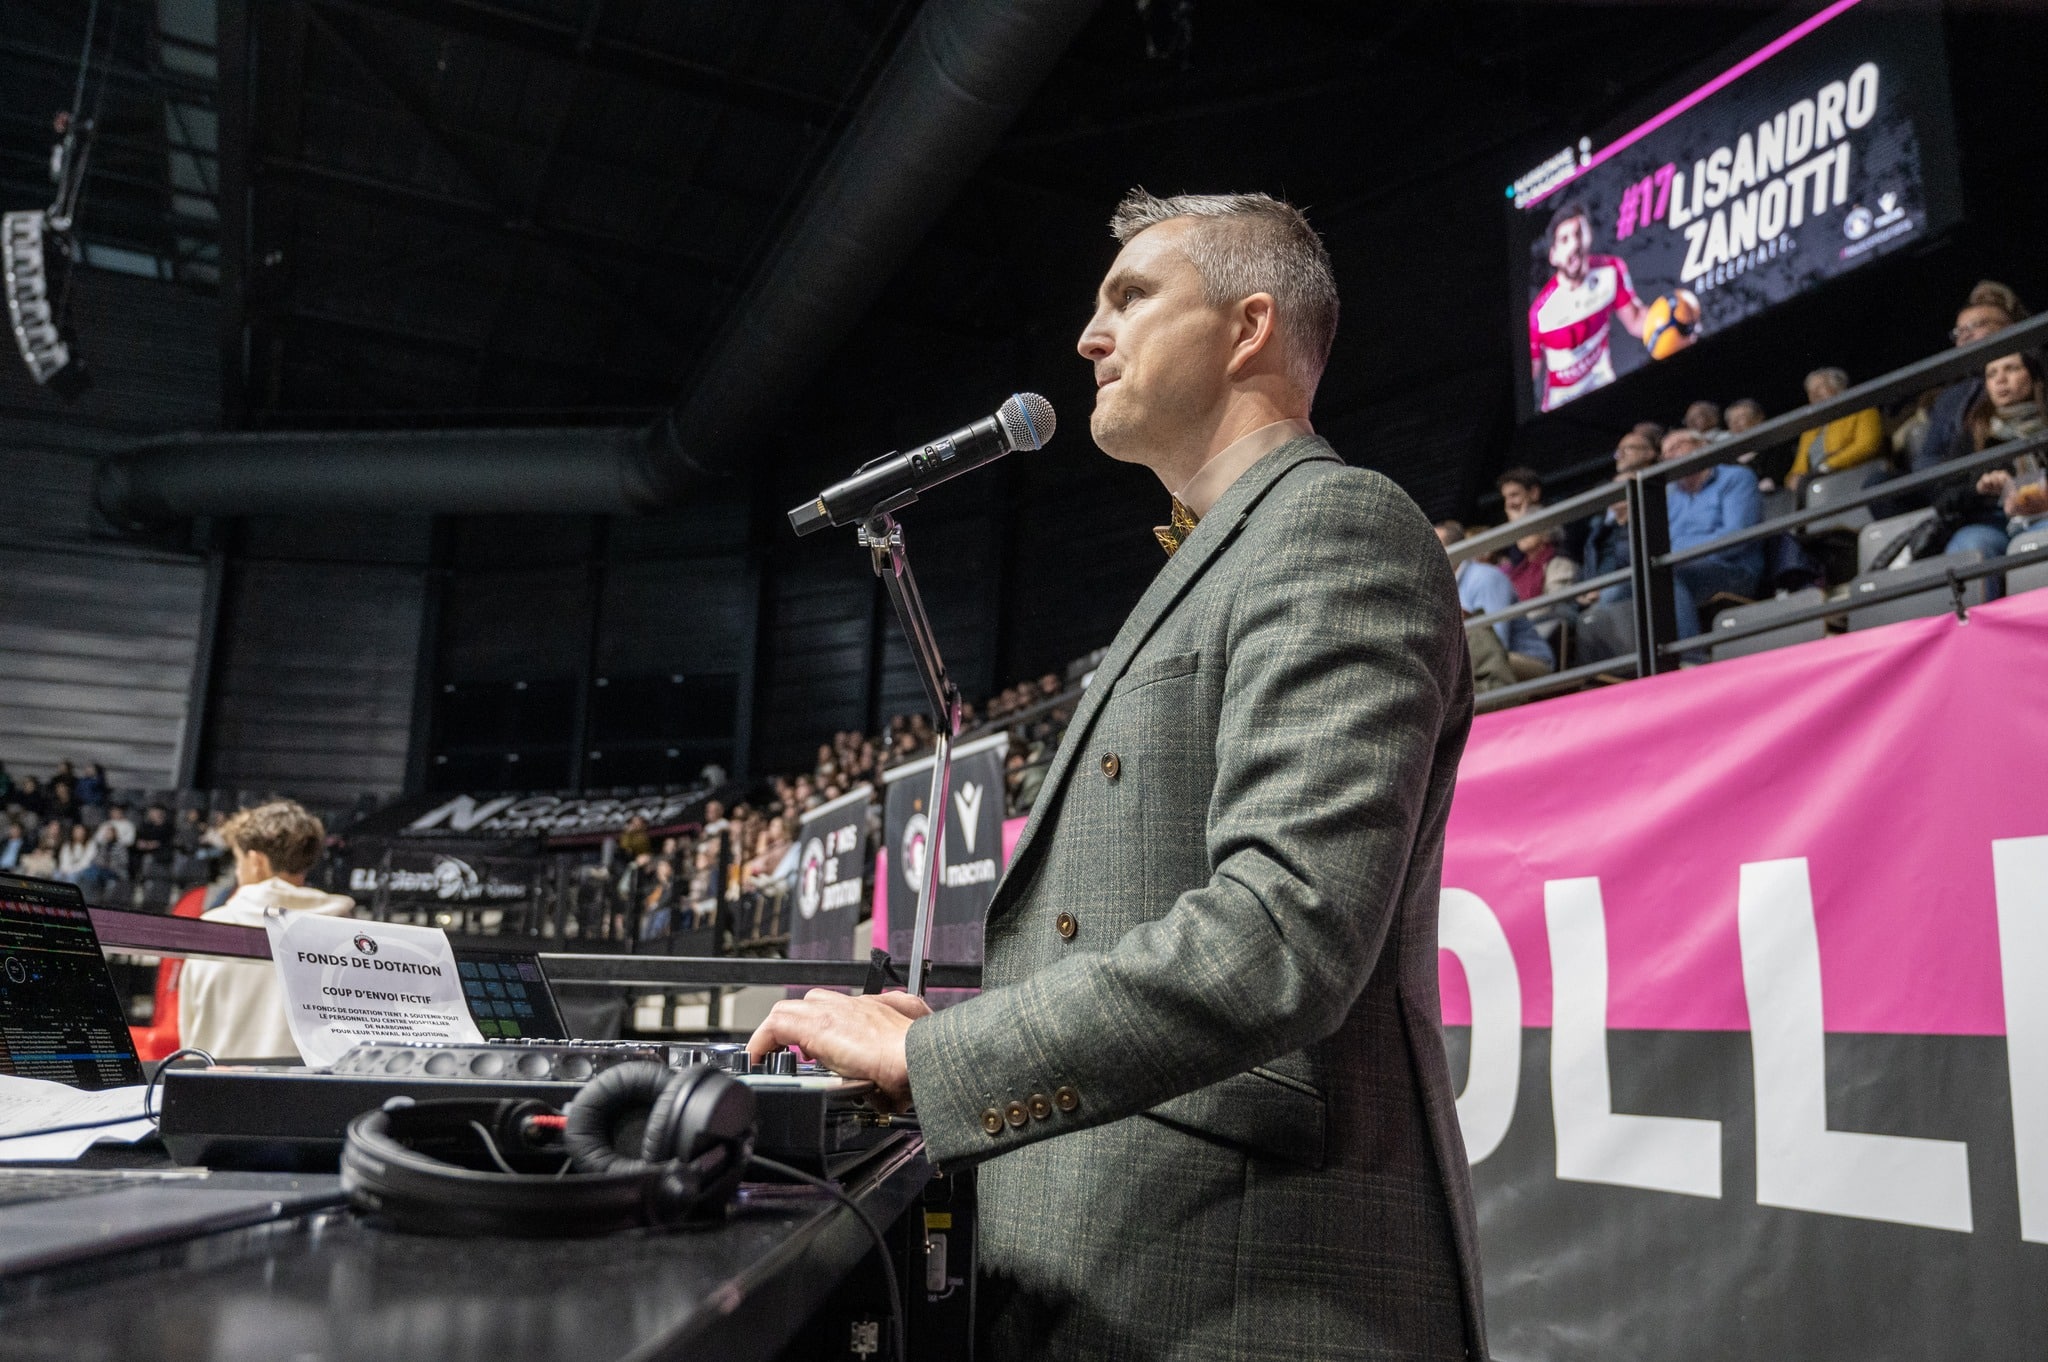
(1843, 442)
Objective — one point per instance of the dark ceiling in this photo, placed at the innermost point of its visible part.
(491, 212)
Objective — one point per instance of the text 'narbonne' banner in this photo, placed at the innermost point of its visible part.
(1746, 975)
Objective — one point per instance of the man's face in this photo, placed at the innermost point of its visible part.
(1632, 453)
(2007, 381)
(1975, 323)
(1702, 416)
(1677, 445)
(1517, 498)
(1569, 242)
(1160, 351)
(1744, 417)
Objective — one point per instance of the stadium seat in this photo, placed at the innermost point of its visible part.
(1832, 487)
(1780, 501)
(2034, 574)
(1743, 615)
(1872, 538)
(1933, 601)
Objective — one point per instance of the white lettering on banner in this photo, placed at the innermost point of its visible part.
(1468, 929)
(1594, 1142)
(2019, 868)
(1800, 1163)
(974, 872)
(460, 813)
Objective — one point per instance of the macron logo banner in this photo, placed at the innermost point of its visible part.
(1745, 976)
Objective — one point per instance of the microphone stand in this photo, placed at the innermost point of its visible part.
(882, 537)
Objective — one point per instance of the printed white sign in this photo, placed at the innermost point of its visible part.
(347, 982)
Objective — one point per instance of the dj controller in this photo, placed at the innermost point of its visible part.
(255, 1117)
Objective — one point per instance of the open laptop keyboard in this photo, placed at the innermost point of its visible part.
(19, 1185)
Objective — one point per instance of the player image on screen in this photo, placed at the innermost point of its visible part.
(1568, 345)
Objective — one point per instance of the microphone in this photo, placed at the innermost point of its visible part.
(1026, 421)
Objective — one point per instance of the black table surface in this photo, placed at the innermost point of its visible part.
(330, 1287)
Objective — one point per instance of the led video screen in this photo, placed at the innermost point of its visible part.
(1822, 145)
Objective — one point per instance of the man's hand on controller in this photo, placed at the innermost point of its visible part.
(855, 1037)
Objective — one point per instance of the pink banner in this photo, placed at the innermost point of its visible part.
(1889, 761)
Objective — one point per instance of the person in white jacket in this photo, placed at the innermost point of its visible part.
(234, 1009)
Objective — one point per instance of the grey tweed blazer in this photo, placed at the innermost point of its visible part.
(1207, 1072)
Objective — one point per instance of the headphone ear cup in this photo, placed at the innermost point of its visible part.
(663, 1140)
(597, 1118)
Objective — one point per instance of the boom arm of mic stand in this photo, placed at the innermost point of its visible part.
(882, 537)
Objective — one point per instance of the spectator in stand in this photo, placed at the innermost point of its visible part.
(1537, 565)
(1843, 442)
(2011, 408)
(6, 784)
(1606, 547)
(633, 839)
(1990, 308)
(1770, 465)
(75, 862)
(29, 795)
(41, 861)
(16, 844)
(1703, 418)
(1701, 508)
(93, 789)
(119, 826)
(234, 1009)
(151, 857)
(63, 801)
(1483, 589)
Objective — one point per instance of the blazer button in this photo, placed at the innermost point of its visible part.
(1065, 1098)
(1041, 1106)
(1015, 1111)
(1112, 765)
(1065, 925)
(992, 1121)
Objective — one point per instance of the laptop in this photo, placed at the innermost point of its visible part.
(61, 1019)
(508, 994)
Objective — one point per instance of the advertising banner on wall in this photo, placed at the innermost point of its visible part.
(971, 861)
(560, 819)
(1822, 146)
(1746, 979)
(829, 877)
(389, 874)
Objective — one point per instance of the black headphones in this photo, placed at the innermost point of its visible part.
(644, 1146)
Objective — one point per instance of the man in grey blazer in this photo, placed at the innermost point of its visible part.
(1206, 1081)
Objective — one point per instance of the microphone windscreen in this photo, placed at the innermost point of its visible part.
(1028, 421)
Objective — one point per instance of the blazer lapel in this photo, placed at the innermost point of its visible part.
(1215, 533)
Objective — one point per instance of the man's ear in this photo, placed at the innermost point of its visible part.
(1252, 322)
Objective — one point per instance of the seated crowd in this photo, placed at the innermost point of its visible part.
(77, 828)
(1983, 512)
(744, 859)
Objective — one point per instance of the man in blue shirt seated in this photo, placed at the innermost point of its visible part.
(1703, 508)
(1483, 589)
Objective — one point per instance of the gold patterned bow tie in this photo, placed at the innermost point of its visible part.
(1180, 524)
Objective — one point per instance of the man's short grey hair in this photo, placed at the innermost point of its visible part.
(1838, 379)
(1252, 243)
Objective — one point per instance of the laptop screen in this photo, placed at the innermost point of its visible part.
(60, 1014)
(509, 995)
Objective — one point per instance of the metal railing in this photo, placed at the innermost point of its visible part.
(154, 934)
(1651, 558)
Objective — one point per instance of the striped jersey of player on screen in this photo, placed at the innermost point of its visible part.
(1568, 332)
